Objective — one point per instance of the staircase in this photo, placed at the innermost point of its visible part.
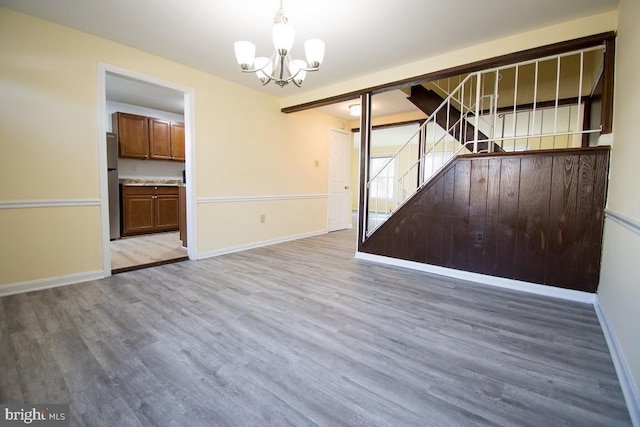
(429, 101)
(489, 111)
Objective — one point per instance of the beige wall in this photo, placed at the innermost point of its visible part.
(49, 133)
(619, 290)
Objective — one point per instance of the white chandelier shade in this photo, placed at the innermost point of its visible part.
(280, 68)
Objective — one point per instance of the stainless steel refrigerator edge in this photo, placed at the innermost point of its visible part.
(114, 187)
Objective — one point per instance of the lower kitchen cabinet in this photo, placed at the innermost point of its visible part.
(149, 209)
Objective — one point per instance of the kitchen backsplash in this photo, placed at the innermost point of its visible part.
(132, 168)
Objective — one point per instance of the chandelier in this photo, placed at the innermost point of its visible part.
(280, 68)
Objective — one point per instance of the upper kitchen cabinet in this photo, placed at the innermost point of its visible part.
(143, 137)
(177, 141)
(159, 139)
(133, 135)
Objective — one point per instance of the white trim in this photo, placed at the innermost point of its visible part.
(102, 168)
(48, 203)
(625, 221)
(627, 384)
(190, 171)
(255, 245)
(49, 282)
(533, 288)
(203, 200)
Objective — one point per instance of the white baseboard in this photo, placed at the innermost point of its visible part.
(627, 383)
(260, 244)
(49, 282)
(534, 288)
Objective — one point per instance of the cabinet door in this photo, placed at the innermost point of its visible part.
(133, 135)
(177, 141)
(159, 139)
(137, 210)
(167, 208)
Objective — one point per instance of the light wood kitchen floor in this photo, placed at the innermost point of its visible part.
(147, 249)
(303, 334)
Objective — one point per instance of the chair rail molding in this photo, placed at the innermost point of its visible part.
(237, 199)
(625, 221)
(48, 203)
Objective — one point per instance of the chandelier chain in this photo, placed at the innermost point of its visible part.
(280, 17)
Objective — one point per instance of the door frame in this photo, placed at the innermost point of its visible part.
(190, 167)
(345, 133)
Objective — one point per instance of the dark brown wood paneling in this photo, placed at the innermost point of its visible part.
(600, 184)
(477, 215)
(448, 182)
(607, 91)
(562, 217)
(533, 216)
(507, 224)
(589, 220)
(493, 210)
(541, 215)
(435, 227)
(460, 217)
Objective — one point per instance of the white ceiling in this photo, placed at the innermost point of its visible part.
(135, 92)
(361, 36)
(382, 104)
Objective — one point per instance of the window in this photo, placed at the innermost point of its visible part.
(382, 187)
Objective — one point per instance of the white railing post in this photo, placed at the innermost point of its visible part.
(535, 102)
(580, 90)
(555, 115)
(478, 91)
(515, 106)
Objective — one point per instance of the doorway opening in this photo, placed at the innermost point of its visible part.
(147, 190)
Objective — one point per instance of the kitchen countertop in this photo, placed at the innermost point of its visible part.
(143, 182)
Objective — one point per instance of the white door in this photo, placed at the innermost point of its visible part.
(339, 180)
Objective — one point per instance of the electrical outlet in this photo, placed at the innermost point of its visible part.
(263, 218)
(317, 163)
(479, 237)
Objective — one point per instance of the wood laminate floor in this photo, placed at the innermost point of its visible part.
(303, 334)
(146, 249)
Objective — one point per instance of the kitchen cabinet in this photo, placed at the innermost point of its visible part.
(159, 139)
(133, 135)
(149, 209)
(177, 141)
(142, 137)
